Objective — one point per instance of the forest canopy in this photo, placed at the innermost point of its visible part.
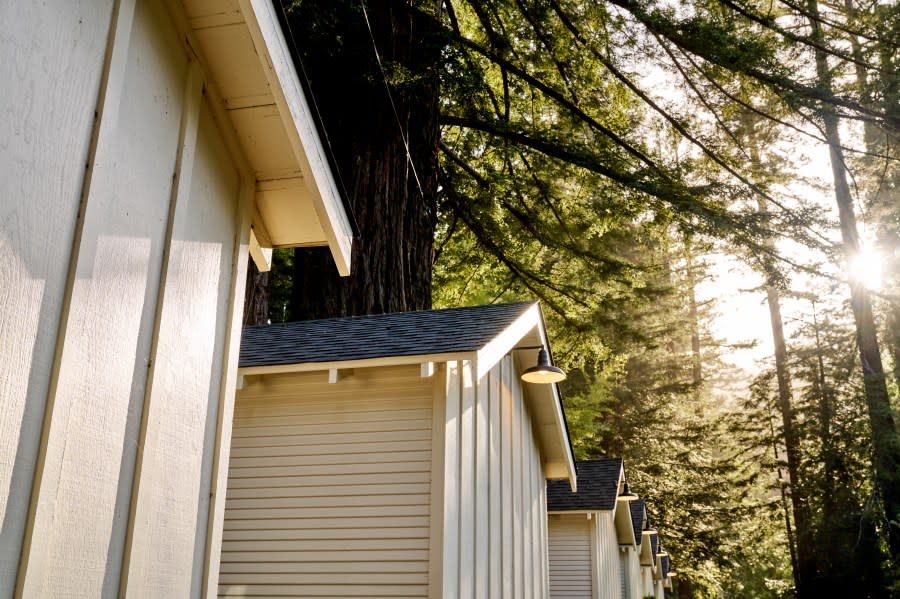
(604, 157)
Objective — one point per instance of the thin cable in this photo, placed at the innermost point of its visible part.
(387, 87)
(319, 121)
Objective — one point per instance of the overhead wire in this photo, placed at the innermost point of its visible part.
(387, 88)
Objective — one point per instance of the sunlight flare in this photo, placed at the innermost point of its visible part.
(865, 269)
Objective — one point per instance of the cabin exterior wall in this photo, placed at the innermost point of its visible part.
(123, 245)
(493, 505)
(329, 488)
(607, 556)
(571, 558)
(631, 572)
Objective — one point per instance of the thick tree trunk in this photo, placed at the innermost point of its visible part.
(256, 305)
(885, 439)
(372, 112)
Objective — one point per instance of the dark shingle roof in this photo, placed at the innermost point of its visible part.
(377, 336)
(637, 518)
(598, 486)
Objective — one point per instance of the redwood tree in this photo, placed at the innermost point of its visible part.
(372, 72)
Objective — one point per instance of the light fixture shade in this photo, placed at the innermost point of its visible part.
(544, 372)
(627, 494)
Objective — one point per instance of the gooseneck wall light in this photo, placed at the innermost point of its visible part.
(544, 372)
(627, 494)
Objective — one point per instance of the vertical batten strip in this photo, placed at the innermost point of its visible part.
(506, 436)
(227, 391)
(184, 165)
(112, 83)
(468, 491)
(495, 482)
(482, 487)
(438, 507)
(518, 540)
(527, 573)
(451, 482)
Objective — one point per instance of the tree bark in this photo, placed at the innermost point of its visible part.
(380, 117)
(256, 304)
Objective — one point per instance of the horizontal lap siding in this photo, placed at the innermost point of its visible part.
(329, 487)
(570, 556)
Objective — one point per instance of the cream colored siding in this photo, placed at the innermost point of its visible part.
(608, 584)
(126, 350)
(647, 581)
(494, 536)
(570, 556)
(329, 486)
(631, 570)
(51, 70)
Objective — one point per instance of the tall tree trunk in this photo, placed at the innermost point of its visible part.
(885, 439)
(372, 71)
(694, 316)
(884, 203)
(805, 569)
(256, 304)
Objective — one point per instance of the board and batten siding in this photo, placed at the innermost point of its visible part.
(634, 573)
(607, 544)
(123, 241)
(493, 505)
(329, 486)
(571, 558)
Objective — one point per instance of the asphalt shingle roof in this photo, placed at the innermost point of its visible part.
(377, 336)
(637, 518)
(598, 486)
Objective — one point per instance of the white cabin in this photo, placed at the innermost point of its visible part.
(397, 455)
(147, 149)
(584, 560)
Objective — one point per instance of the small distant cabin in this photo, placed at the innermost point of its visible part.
(397, 455)
(583, 541)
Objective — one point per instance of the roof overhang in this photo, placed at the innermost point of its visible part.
(544, 401)
(245, 55)
(624, 524)
(647, 557)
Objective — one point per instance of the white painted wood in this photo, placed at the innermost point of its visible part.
(495, 466)
(172, 490)
(438, 450)
(508, 495)
(54, 66)
(367, 363)
(299, 125)
(262, 256)
(468, 493)
(426, 369)
(607, 548)
(570, 557)
(494, 503)
(91, 429)
(334, 375)
(333, 520)
(452, 486)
